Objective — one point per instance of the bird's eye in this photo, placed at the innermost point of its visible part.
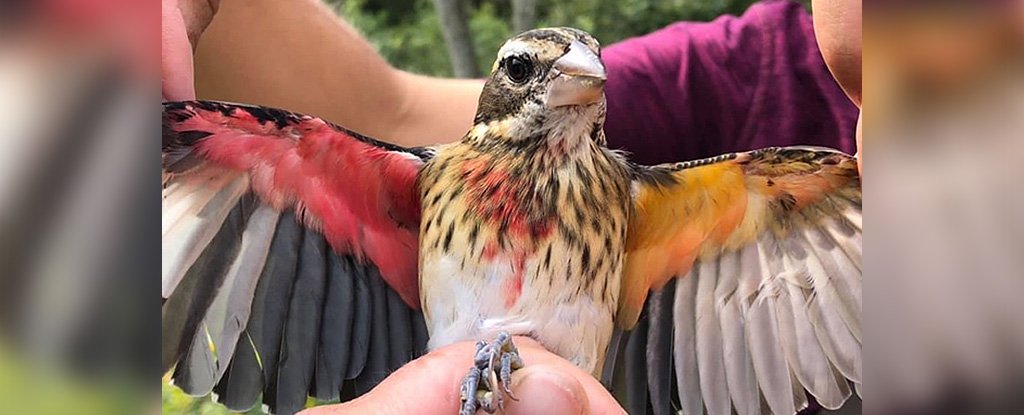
(518, 69)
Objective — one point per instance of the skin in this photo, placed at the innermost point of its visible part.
(548, 384)
(183, 22)
(837, 27)
(304, 57)
(379, 100)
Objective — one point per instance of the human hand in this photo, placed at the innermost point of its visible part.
(430, 385)
(182, 23)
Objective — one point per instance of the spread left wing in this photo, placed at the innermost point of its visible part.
(289, 256)
(767, 248)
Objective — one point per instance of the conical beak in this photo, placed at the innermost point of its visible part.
(578, 77)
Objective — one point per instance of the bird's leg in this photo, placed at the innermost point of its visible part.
(490, 379)
(468, 392)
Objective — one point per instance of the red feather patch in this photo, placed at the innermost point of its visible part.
(497, 197)
(361, 196)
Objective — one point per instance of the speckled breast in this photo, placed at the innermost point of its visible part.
(525, 243)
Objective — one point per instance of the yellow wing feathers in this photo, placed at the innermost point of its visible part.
(696, 210)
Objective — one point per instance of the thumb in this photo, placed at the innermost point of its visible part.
(428, 385)
(545, 390)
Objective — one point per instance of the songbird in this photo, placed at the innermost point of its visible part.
(297, 255)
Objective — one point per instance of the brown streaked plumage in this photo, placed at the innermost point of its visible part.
(530, 213)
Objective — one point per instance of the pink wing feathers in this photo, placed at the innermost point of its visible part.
(359, 192)
(279, 233)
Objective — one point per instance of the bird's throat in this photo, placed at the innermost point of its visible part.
(560, 133)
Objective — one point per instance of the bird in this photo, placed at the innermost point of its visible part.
(300, 257)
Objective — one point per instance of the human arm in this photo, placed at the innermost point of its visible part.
(331, 71)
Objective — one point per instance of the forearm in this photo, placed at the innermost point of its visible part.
(437, 110)
(298, 55)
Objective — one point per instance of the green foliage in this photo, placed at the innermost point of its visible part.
(490, 28)
(30, 385)
(407, 34)
(174, 401)
(411, 41)
(612, 21)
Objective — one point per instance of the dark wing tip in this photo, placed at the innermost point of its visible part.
(659, 348)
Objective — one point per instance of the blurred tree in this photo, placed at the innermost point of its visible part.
(524, 15)
(455, 28)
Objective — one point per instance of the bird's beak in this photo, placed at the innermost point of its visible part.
(578, 77)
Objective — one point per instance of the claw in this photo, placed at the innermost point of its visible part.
(509, 362)
(490, 379)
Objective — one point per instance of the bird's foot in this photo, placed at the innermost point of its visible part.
(490, 378)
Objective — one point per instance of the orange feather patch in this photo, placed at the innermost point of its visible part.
(721, 206)
(670, 224)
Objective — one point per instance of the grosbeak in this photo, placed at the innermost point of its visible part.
(280, 228)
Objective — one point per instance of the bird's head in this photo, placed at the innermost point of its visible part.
(545, 85)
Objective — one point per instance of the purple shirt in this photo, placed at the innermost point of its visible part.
(694, 90)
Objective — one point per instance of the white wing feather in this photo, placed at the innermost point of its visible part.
(788, 314)
(187, 238)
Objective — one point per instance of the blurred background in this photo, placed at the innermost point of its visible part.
(407, 32)
(944, 131)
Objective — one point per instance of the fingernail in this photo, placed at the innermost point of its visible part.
(545, 391)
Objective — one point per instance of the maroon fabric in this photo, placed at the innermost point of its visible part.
(695, 90)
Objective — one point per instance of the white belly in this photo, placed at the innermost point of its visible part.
(475, 302)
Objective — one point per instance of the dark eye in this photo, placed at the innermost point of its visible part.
(518, 69)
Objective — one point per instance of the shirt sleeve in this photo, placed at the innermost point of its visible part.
(693, 90)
